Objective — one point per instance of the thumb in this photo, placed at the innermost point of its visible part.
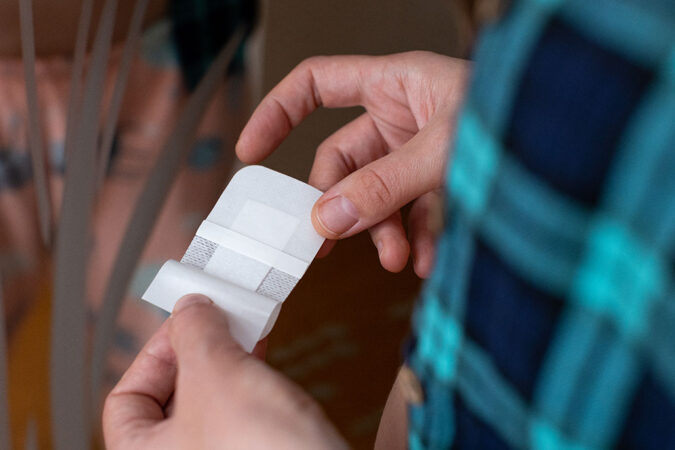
(376, 191)
(200, 336)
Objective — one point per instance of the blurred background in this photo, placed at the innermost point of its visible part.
(341, 332)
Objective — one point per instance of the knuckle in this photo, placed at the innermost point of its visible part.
(216, 345)
(107, 408)
(332, 154)
(324, 150)
(309, 63)
(308, 406)
(417, 56)
(419, 53)
(375, 187)
(306, 71)
(302, 404)
(117, 430)
(248, 378)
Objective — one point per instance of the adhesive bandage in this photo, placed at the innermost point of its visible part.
(248, 254)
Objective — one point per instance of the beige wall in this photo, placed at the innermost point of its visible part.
(297, 29)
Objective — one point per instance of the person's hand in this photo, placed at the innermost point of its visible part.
(193, 387)
(391, 155)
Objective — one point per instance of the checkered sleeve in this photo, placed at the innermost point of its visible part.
(549, 320)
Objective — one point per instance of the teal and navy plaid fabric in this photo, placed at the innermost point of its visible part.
(200, 28)
(549, 321)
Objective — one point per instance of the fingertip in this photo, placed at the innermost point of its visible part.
(242, 151)
(422, 267)
(200, 335)
(193, 318)
(423, 255)
(190, 300)
(239, 150)
(425, 222)
(393, 254)
(326, 248)
(318, 225)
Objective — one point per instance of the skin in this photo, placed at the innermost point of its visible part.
(392, 433)
(224, 397)
(390, 156)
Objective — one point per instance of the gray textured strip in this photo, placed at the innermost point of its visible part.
(70, 418)
(5, 430)
(31, 441)
(130, 45)
(75, 96)
(199, 252)
(277, 285)
(149, 204)
(34, 130)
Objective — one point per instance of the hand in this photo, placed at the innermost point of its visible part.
(391, 155)
(193, 387)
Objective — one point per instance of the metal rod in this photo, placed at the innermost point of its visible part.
(5, 430)
(133, 36)
(75, 97)
(36, 144)
(68, 369)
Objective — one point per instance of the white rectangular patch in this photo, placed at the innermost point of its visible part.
(247, 256)
(265, 224)
(237, 268)
(252, 248)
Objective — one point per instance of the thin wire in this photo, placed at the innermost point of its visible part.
(37, 153)
(5, 430)
(31, 442)
(149, 204)
(68, 369)
(75, 97)
(133, 36)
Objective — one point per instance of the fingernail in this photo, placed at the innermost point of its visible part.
(189, 300)
(378, 244)
(338, 215)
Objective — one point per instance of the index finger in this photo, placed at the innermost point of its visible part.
(139, 398)
(330, 81)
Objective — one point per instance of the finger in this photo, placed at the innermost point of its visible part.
(326, 248)
(138, 400)
(351, 147)
(170, 406)
(393, 430)
(331, 81)
(392, 246)
(348, 149)
(260, 349)
(422, 233)
(221, 385)
(199, 334)
(376, 191)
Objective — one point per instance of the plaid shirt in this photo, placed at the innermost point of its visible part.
(549, 321)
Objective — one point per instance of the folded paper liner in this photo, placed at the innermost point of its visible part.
(249, 253)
